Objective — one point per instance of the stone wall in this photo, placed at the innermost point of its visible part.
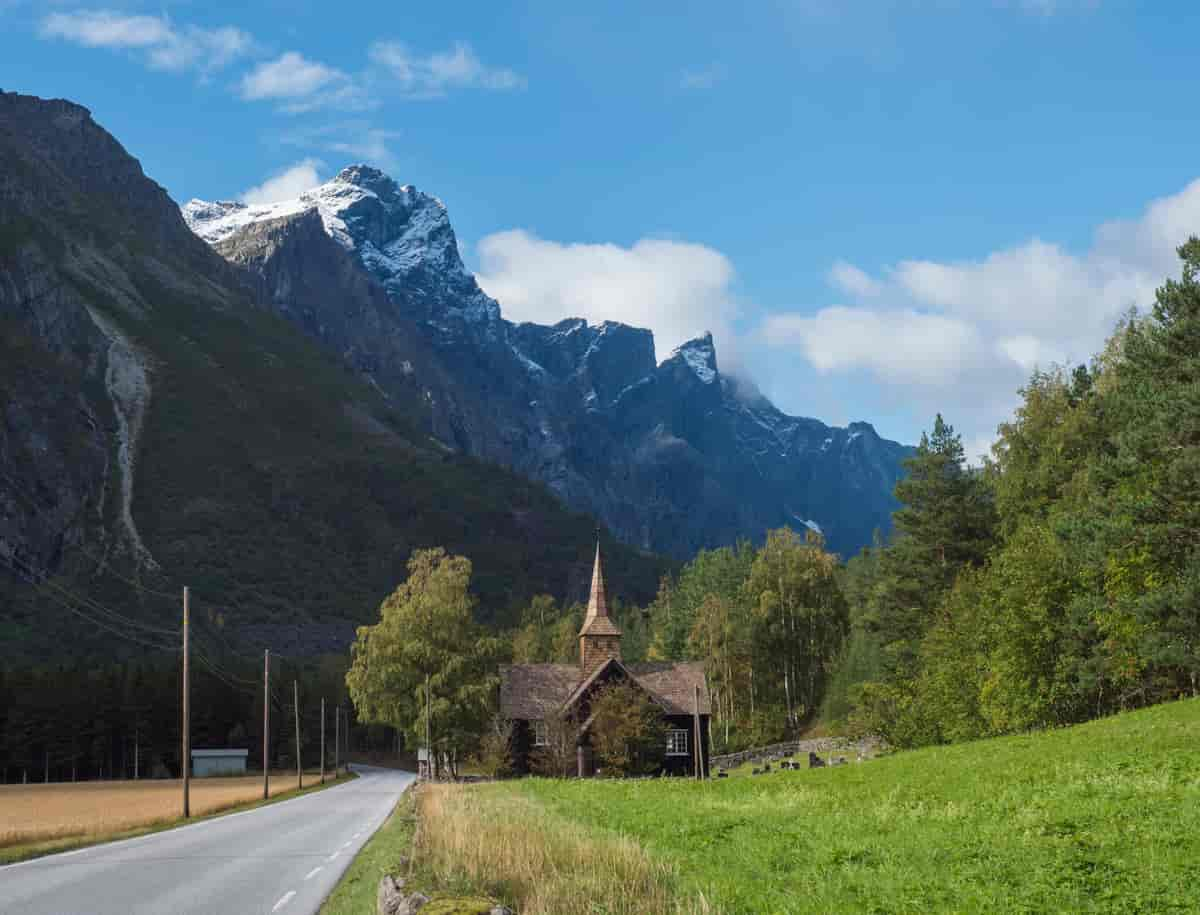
(867, 746)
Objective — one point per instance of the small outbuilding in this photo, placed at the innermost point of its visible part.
(219, 762)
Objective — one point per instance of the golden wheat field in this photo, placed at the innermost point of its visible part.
(33, 813)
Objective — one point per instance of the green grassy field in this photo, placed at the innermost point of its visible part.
(1100, 817)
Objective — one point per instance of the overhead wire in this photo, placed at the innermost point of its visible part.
(32, 580)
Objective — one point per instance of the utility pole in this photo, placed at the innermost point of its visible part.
(322, 740)
(337, 739)
(135, 753)
(266, 723)
(299, 768)
(187, 720)
(699, 742)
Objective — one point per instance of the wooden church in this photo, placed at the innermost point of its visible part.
(532, 694)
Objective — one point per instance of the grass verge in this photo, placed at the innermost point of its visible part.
(1102, 817)
(355, 893)
(23, 851)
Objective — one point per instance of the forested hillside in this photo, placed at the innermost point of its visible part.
(1063, 582)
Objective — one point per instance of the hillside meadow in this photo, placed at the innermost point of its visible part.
(1101, 817)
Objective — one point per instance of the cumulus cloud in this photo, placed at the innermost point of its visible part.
(906, 347)
(677, 289)
(853, 280)
(289, 76)
(966, 334)
(435, 74)
(287, 184)
(166, 47)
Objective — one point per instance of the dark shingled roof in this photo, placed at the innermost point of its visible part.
(531, 691)
(674, 683)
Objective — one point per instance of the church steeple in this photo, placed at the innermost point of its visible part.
(599, 637)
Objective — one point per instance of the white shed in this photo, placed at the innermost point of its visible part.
(218, 762)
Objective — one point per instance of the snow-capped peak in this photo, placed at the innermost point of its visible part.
(394, 227)
(700, 356)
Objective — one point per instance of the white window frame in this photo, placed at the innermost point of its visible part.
(540, 737)
(675, 737)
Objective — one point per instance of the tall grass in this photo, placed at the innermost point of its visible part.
(484, 839)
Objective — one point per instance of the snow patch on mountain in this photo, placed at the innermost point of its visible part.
(218, 220)
(700, 356)
(394, 228)
(811, 525)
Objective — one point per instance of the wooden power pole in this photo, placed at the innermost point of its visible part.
(299, 768)
(337, 739)
(322, 740)
(187, 714)
(266, 723)
(699, 734)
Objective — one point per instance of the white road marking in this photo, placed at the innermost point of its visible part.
(346, 844)
(284, 900)
(357, 834)
(312, 873)
(334, 855)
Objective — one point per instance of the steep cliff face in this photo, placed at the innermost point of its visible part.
(167, 419)
(673, 456)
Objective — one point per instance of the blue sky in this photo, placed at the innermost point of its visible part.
(881, 209)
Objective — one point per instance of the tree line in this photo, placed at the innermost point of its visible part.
(1062, 581)
(82, 722)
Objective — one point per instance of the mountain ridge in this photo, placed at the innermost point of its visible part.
(586, 409)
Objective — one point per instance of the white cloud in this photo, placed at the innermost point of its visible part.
(966, 334)
(854, 280)
(435, 74)
(106, 29)
(166, 47)
(287, 184)
(906, 347)
(289, 76)
(702, 78)
(677, 289)
(205, 49)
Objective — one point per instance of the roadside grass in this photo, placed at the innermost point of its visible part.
(388, 852)
(491, 839)
(355, 892)
(75, 815)
(1102, 817)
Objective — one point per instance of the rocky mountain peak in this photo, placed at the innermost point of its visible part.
(367, 176)
(699, 355)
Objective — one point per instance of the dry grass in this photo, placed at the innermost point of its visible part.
(478, 838)
(37, 813)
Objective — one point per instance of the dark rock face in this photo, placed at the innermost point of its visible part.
(168, 415)
(673, 457)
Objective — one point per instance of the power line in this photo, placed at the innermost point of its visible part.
(96, 622)
(102, 564)
(117, 618)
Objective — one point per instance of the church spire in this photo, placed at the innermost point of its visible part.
(597, 599)
(599, 637)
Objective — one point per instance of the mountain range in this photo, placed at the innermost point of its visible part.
(673, 456)
(275, 405)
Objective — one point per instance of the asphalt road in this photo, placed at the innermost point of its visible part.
(282, 859)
